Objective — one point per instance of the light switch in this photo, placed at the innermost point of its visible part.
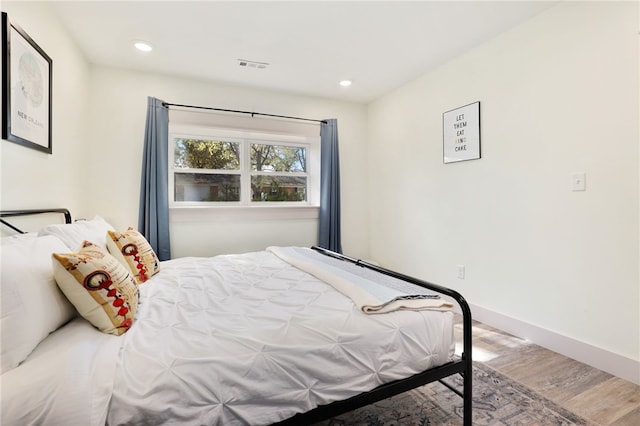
(578, 181)
(460, 269)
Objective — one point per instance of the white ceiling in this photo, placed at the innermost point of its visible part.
(310, 46)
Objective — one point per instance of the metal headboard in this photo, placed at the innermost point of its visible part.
(31, 212)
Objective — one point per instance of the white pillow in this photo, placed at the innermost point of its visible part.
(73, 234)
(17, 237)
(32, 304)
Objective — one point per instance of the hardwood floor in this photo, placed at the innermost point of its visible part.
(597, 396)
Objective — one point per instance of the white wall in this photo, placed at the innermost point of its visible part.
(559, 94)
(118, 110)
(30, 178)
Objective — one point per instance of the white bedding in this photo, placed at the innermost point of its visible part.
(371, 295)
(229, 340)
(256, 342)
(66, 380)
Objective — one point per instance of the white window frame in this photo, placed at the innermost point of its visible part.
(246, 138)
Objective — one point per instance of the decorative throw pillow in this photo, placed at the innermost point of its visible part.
(100, 288)
(132, 249)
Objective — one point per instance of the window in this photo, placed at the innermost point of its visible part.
(215, 167)
(278, 172)
(206, 170)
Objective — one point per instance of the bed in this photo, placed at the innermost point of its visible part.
(284, 336)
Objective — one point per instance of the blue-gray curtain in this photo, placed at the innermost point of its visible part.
(153, 217)
(329, 228)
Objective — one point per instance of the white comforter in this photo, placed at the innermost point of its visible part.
(230, 340)
(249, 339)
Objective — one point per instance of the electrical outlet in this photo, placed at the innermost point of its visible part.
(460, 269)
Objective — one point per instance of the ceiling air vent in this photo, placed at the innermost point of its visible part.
(252, 64)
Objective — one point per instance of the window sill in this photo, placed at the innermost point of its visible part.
(241, 213)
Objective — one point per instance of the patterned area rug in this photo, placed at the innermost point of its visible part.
(497, 400)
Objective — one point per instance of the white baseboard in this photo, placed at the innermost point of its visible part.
(612, 363)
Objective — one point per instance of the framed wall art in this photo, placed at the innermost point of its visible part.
(461, 133)
(26, 89)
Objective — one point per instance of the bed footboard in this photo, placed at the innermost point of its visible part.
(462, 366)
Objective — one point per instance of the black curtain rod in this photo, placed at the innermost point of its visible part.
(167, 104)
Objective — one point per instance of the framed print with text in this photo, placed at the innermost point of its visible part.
(26, 89)
(461, 133)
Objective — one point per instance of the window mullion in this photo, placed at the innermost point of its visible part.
(245, 168)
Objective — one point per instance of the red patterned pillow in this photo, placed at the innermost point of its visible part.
(132, 249)
(100, 288)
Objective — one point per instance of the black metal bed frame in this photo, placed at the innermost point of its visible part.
(15, 213)
(462, 366)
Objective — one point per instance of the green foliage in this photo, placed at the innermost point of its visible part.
(207, 154)
(276, 158)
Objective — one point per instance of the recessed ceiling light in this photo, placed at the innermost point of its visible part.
(345, 83)
(143, 46)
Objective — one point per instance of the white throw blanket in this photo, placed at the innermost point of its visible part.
(369, 296)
